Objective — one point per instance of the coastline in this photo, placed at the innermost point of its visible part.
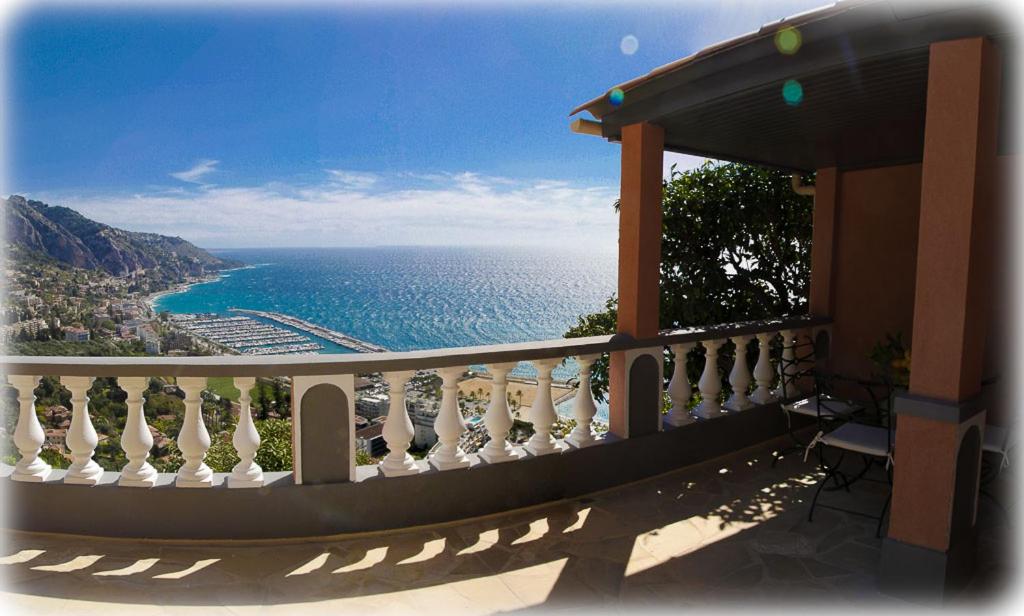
(151, 299)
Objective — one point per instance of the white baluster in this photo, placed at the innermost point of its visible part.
(136, 440)
(193, 440)
(739, 377)
(710, 384)
(542, 414)
(398, 431)
(81, 439)
(245, 474)
(449, 424)
(679, 389)
(786, 367)
(498, 418)
(29, 435)
(583, 407)
(763, 370)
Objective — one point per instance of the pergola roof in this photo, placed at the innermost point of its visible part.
(862, 67)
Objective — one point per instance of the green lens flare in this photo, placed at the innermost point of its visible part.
(616, 96)
(792, 92)
(788, 40)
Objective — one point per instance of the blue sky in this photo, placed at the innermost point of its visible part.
(345, 124)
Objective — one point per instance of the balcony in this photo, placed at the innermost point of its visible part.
(732, 530)
(675, 503)
(326, 493)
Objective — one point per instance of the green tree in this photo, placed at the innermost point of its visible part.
(735, 247)
(281, 399)
(259, 401)
(275, 452)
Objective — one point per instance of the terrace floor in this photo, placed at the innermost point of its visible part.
(732, 531)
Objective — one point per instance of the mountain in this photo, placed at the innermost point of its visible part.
(65, 235)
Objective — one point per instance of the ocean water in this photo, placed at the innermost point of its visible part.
(414, 298)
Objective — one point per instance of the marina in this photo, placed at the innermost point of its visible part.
(311, 328)
(245, 335)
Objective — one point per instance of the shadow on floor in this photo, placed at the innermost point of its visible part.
(732, 530)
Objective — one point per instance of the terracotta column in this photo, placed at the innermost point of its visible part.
(929, 547)
(639, 264)
(826, 195)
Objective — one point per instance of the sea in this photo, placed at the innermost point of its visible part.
(415, 298)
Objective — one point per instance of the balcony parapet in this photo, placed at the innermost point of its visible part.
(326, 493)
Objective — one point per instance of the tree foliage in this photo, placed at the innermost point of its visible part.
(274, 454)
(735, 247)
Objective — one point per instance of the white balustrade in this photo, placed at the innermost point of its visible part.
(739, 377)
(710, 384)
(398, 431)
(763, 370)
(498, 418)
(136, 440)
(679, 389)
(449, 424)
(193, 440)
(28, 435)
(81, 437)
(542, 413)
(787, 367)
(245, 474)
(583, 407)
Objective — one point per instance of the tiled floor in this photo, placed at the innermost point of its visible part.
(730, 532)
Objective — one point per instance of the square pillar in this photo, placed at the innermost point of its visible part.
(826, 198)
(929, 549)
(640, 230)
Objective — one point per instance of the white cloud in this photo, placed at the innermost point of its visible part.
(352, 179)
(196, 173)
(452, 209)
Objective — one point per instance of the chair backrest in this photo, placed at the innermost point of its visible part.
(798, 368)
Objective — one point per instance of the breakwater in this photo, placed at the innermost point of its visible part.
(311, 328)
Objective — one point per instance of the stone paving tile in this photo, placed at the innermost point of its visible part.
(732, 532)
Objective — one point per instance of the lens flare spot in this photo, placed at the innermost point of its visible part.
(629, 44)
(788, 40)
(616, 96)
(792, 92)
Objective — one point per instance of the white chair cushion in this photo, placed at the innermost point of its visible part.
(870, 440)
(996, 439)
(830, 407)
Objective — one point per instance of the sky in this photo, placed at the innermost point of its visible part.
(338, 124)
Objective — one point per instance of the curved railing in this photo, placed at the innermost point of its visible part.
(323, 398)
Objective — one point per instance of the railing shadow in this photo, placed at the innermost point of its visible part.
(731, 523)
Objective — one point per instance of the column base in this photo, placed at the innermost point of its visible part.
(735, 406)
(187, 483)
(583, 443)
(36, 477)
(707, 411)
(675, 422)
(762, 398)
(85, 479)
(399, 470)
(497, 458)
(556, 447)
(924, 575)
(459, 460)
(137, 483)
(245, 483)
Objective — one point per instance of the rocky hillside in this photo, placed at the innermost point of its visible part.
(69, 237)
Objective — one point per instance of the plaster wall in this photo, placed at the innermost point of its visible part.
(874, 261)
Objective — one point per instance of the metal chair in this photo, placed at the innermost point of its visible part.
(872, 441)
(827, 409)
